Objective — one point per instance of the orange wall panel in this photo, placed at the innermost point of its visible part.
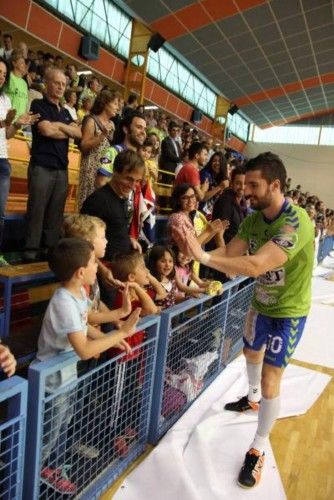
(149, 85)
(105, 64)
(173, 103)
(16, 10)
(159, 95)
(69, 41)
(235, 144)
(119, 71)
(44, 25)
(184, 111)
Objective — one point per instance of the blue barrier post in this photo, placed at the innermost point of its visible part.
(13, 398)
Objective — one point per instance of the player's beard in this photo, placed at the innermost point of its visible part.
(261, 203)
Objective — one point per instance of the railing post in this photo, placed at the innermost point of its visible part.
(158, 387)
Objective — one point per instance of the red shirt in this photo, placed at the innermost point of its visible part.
(135, 340)
(188, 174)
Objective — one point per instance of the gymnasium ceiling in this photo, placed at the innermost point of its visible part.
(274, 59)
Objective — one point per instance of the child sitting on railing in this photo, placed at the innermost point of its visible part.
(188, 282)
(65, 329)
(131, 268)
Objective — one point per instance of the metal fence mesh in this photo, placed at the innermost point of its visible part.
(10, 480)
(98, 423)
(199, 346)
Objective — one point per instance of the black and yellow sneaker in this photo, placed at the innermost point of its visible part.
(250, 473)
(242, 405)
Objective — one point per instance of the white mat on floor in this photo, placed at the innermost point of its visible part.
(200, 457)
(317, 342)
(322, 288)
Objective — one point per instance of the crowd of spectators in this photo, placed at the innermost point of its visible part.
(103, 125)
(127, 151)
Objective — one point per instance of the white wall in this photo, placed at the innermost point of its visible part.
(310, 166)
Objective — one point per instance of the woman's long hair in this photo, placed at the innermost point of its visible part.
(2, 89)
(223, 173)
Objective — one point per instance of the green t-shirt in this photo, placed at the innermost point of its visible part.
(106, 159)
(284, 292)
(17, 91)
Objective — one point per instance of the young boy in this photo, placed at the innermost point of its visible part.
(151, 168)
(93, 229)
(131, 267)
(65, 329)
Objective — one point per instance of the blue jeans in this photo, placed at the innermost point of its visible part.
(5, 171)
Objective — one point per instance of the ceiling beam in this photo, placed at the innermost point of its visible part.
(199, 14)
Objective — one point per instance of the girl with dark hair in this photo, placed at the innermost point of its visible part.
(161, 263)
(8, 129)
(97, 135)
(216, 173)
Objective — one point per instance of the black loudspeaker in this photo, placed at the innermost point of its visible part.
(233, 109)
(196, 116)
(89, 48)
(156, 42)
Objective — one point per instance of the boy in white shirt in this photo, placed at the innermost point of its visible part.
(65, 329)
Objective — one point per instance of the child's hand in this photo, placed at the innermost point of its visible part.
(124, 346)
(126, 302)
(129, 326)
(108, 277)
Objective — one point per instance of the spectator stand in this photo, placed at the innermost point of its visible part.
(164, 191)
(13, 416)
(197, 339)
(103, 413)
(19, 157)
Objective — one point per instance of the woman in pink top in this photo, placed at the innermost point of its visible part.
(184, 214)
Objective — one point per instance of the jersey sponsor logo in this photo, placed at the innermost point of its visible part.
(273, 278)
(287, 237)
(104, 160)
(287, 241)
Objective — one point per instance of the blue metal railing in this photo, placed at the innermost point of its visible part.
(326, 245)
(86, 424)
(197, 339)
(82, 435)
(13, 404)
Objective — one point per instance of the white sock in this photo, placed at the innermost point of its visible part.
(254, 378)
(268, 414)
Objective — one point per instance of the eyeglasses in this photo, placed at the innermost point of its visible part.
(188, 198)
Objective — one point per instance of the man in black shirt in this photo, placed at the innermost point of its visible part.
(229, 206)
(47, 173)
(110, 203)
